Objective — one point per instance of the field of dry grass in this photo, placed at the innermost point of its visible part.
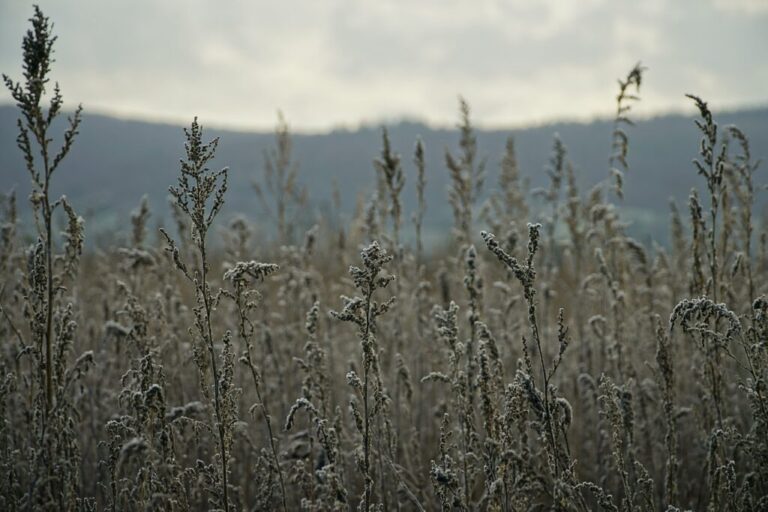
(540, 360)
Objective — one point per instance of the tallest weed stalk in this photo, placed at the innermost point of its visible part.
(38, 50)
(198, 186)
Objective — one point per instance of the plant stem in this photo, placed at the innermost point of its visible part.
(217, 400)
(366, 434)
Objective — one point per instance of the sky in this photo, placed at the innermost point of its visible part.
(341, 63)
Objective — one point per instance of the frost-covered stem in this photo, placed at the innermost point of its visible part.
(47, 214)
(713, 249)
(262, 402)
(204, 289)
(529, 297)
(366, 424)
(272, 445)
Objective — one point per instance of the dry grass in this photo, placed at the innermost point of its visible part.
(560, 366)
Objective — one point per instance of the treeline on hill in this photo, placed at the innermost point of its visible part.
(552, 366)
(107, 179)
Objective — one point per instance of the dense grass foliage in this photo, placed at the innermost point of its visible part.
(541, 360)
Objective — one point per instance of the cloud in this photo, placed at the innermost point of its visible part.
(743, 6)
(342, 61)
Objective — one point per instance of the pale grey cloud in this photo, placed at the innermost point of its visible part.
(743, 6)
(332, 62)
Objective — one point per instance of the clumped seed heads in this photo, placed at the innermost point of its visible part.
(363, 312)
(200, 195)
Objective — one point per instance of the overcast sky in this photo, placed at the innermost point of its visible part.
(330, 63)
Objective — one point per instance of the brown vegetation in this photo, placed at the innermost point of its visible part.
(552, 366)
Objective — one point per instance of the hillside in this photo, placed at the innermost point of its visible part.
(114, 162)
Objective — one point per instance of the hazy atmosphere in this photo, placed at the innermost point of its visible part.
(341, 62)
(494, 257)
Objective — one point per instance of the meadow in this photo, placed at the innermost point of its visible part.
(539, 359)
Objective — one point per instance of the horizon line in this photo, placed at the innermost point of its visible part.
(170, 121)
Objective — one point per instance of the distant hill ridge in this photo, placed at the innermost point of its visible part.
(115, 162)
